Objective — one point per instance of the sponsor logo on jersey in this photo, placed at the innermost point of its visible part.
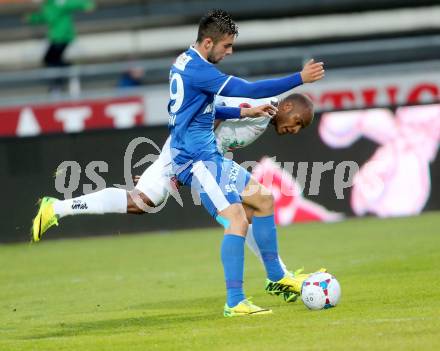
(232, 145)
(182, 61)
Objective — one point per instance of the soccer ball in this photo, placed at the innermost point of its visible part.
(320, 290)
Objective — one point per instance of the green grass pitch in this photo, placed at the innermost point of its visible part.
(166, 292)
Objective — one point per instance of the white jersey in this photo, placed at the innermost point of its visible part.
(234, 134)
(230, 134)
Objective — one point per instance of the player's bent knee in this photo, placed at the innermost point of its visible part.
(138, 202)
(238, 227)
(235, 219)
(266, 203)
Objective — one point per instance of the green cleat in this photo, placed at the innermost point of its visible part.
(44, 219)
(290, 297)
(289, 287)
(244, 308)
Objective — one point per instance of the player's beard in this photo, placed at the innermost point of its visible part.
(212, 58)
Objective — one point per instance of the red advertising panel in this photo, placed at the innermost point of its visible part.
(376, 95)
(74, 117)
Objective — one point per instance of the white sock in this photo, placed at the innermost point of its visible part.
(252, 245)
(109, 200)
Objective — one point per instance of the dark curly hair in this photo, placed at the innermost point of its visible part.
(215, 24)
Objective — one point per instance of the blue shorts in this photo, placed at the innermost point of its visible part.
(219, 182)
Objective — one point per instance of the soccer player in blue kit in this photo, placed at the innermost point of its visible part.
(224, 187)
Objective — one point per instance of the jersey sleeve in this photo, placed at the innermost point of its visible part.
(262, 88)
(209, 79)
(225, 112)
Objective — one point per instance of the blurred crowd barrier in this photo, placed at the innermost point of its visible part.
(275, 38)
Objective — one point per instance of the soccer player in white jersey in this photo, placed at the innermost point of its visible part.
(295, 112)
(223, 186)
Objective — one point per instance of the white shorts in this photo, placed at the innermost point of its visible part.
(155, 182)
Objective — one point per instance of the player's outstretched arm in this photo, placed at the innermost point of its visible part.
(238, 87)
(266, 110)
(226, 112)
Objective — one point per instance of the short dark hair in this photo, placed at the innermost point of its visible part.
(215, 24)
(300, 99)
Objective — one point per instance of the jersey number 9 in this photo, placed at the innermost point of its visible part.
(176, 92)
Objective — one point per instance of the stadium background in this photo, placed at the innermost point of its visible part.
(378, 54)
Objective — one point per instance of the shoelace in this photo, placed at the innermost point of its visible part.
(295, 273)
(248, 301)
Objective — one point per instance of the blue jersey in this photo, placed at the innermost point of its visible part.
(194, 83)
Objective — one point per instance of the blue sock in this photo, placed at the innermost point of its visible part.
(265, 235)
(233, 265)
